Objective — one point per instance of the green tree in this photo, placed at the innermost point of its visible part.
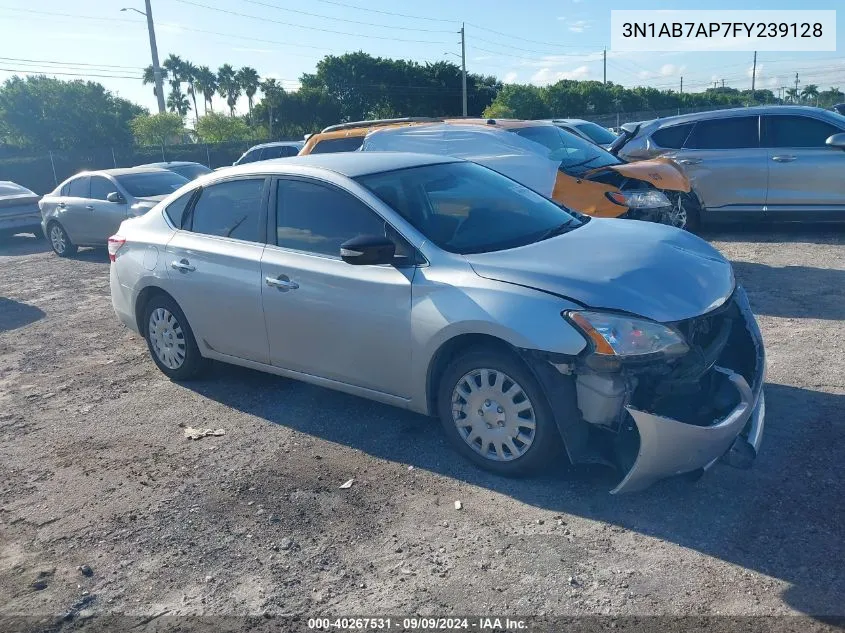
(218, 128)
(174, 66)
(158, 129)
(228, 86)
(273, 94)
(189, 75)
(811, 93)
(149, 76)
(526, 102)
(296, 113)
(206, 82)
(792, 94)
(177, 102)
(42, 113)
(248, 80)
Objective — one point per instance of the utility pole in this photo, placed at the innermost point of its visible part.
(796, 86)
(723, 83)
(604, 75)
(154, 50)
(464, 68)
(682, 84)
(753, 74)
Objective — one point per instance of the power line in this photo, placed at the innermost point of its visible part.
(300, 26)
(328, 17)
(524, 39)
(54, 72)
(398, 15)
(63, 63)
(71, 15)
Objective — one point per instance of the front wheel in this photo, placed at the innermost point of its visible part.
(171, 341)
(685, 212)
(495, 413)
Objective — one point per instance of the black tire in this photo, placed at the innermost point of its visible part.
(546, 443)
(193, 364)
(693, 209)
(62, 247)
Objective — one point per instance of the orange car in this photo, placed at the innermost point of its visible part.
(594, 181)
(589, 179)
(347, 137)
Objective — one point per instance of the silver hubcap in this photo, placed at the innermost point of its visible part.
(493, 415)
(678, 214)
(57, 238)
(167, 338)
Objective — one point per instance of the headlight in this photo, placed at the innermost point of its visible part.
(625, 337)
(647, 199)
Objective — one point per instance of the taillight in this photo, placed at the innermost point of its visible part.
(115, 244)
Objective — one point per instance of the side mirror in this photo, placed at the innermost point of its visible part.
(368, 250)
(114, 196)
(836, 140)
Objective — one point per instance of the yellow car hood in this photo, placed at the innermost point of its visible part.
(663, 173)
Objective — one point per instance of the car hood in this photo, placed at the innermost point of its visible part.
(663, 173)
(655, 271)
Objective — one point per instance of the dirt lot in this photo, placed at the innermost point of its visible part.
(95, 470)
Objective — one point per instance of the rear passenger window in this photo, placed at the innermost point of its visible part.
(732, 133)
(672, 137)
(796, 131)
(79, 188)
(176, 209)
(230, 209)
(272, 152)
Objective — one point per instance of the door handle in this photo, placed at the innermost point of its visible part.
(90, 207)
(282, 282)
(784, 158)
(183, 265)
(62, 205)
(689, 161)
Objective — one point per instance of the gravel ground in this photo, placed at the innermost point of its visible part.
(95, 470)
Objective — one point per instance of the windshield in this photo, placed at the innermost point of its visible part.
(597, 133)
(151, 183)
(466, 208)
(576, 155)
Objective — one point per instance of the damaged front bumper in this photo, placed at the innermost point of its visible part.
(669, 447)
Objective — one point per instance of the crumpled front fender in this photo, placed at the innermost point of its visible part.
(669, 447)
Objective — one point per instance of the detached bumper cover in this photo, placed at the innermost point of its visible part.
(669, 447)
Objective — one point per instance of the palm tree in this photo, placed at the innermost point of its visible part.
(178, 102)
(272, 91)
(248, 79)
(792, 94)
(149, 76)
(206, 82)
(189, 75)
(174, 65)
(228, 86)
(810, 92)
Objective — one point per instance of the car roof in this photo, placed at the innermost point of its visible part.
(569, 121)
(171, 163)
(278, 144)
(507, 124)
(120, 171)
(349, 164)
(732, 112)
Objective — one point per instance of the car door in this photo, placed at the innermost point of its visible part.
(73, 211)
(105, 216)
(806, 176)
(727, 167)
(327, 318)
(214, 265)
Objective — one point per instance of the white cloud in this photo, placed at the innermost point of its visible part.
(579, 26)
(668, 70)
(482, 58)
(563, 61)
(546, 76)
(511, 77)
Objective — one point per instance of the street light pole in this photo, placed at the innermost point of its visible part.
(154, 50)
(463, 70)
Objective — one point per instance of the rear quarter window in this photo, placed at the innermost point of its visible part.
(672, 137)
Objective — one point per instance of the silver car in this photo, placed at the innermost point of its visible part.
(18, 210)
(440, 286)
(85, 209)
(268, 151)
(749, 164)
(593, 132)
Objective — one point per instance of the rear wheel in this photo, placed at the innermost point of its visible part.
(495, 413)
(170, 340)
(60, 241)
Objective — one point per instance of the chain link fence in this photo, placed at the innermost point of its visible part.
(43, 171)
(620, 118)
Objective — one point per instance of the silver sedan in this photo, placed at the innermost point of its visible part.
(88, 207)
(443, 287)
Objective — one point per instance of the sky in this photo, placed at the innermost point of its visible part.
(533, 41)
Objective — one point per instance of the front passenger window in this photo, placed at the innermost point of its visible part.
(101, 188)
(230, 209)
(316, 218)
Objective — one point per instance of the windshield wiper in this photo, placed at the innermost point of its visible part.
(560, 229)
